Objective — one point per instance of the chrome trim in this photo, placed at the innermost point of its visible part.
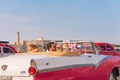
(98, 64)
(73, 66)
(64, 67)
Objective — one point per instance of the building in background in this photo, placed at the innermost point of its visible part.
(21, 45)
(17, 43)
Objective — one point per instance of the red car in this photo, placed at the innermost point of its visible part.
(6, 49)
(106, 48)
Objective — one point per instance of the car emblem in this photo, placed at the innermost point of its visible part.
(4, 67)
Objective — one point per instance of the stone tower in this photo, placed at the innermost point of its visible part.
(18, 39)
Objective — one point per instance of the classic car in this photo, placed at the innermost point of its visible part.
(6, 49)
(84, 64)
(106, 48)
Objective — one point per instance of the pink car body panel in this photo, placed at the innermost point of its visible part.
(83, 72)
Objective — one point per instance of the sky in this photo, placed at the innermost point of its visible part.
(97, 20)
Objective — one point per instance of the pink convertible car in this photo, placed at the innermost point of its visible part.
(84, 64)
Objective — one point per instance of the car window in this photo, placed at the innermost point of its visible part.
(85, 47)
(109, 48)
(7, 50)
(117, 50)
(76, 46)
(102, 47)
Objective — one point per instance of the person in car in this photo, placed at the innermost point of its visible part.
(66, 47)
(32, 48)
(51, 46)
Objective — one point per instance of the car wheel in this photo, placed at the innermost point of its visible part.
(112, 76)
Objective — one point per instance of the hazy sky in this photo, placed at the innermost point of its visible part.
(97, 20)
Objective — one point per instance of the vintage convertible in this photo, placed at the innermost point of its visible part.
(80, 65)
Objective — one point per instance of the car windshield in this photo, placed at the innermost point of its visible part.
(81, 47)
(69, 48)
